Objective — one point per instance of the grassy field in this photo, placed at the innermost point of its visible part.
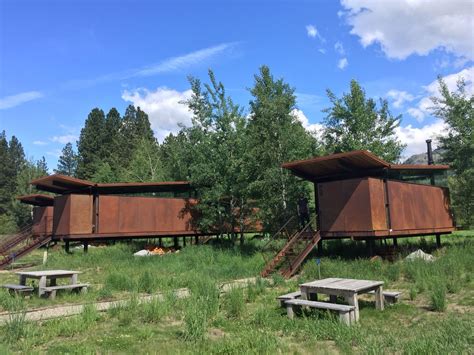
(435, 314)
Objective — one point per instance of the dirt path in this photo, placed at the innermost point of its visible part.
(44, 313)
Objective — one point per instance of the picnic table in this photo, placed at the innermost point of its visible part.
(51, 276)
(350, 289)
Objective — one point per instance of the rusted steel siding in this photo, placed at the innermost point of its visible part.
(414, 206)
(345, 205)
(42, 220)
(72, 214)
(377, 204)
(124, 214)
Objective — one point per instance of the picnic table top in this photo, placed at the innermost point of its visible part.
(338, 284)
(42, 273)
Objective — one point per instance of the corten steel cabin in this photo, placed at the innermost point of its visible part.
(84, 210)
(359, 195)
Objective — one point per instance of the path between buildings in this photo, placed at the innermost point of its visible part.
(45, 313)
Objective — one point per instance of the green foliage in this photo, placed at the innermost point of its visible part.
(234, 303)
(457, 110)
(67, 163)
(438, 297)
(145, 164)
(90, 145)
(355, 122)
(275, 136)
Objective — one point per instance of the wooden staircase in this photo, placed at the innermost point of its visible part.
(288, 260)
(16, 246)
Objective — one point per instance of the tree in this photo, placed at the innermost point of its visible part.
(67, 163)
(136, 126)
(355, 122)
(275, 136)
(457, 110)
(145, 164)
(214, 149)
(6, 174)
(89, 146)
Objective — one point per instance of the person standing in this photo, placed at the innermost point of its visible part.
(303, 210)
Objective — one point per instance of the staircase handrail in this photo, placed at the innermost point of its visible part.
(274, 237)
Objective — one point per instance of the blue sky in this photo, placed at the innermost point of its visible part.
(60, 59)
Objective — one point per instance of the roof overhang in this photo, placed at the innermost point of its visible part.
(62, 184)
(37, 200)
(352, 164)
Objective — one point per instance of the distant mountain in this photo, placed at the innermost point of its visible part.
(422, 158)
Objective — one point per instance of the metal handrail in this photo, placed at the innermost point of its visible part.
(274, 237)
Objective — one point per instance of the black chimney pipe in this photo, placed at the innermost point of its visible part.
(430, 152)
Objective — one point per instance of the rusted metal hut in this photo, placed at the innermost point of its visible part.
(84, 210)
(359, 195)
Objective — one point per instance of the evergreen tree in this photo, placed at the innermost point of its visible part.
(6, 174)
(174, 153)
(355, 123)
(112, 144)
(136, 126)
(90, 145)
(67, 163)
(275, 137)
(457, 110)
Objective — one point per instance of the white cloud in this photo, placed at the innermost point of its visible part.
(166, 66)
(339, 48)
(314, 128)
(322, 50)
(311, 31)
(425, 104)
(164, 107)
(416, 113)
(40, 143)
(18, 99)
(185, 61)
(399, 97)
(342, 63)
(415, 138)
(406, 27)
(67, 138)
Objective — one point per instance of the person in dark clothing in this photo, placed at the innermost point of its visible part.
(303, 211)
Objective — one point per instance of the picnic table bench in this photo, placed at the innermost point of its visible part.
(52, 276)
(346, 313)
(18, 289)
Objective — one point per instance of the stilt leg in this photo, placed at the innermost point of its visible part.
(438, 240)
(86, 247)
(395, 242)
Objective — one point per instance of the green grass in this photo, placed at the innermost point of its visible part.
(435, 315)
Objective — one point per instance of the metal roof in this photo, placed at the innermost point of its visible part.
(62, 184)
(357, 162)
(37, 200)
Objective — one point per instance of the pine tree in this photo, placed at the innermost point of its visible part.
(275, 137)
(90, 145)
(356, 123)
(6, 174)
(67, 163)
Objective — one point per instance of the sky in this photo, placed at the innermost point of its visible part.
(60, 59)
